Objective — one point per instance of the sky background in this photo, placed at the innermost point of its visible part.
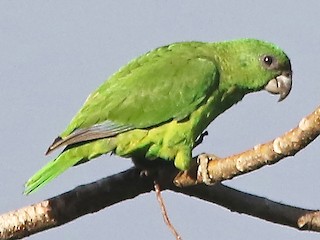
(54, 53)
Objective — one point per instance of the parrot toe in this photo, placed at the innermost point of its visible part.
(203, 162)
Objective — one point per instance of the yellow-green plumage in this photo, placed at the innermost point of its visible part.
(158, 104)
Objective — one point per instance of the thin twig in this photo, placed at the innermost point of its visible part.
(164, 211)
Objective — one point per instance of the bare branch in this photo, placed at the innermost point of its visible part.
(288, 144)
(129, 184)
(73, 204)
(260, 207)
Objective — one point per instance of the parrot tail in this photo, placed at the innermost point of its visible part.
(49, 172)
(69, 157)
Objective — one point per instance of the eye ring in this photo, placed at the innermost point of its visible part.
(269, 61)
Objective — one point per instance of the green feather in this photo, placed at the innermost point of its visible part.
(68, 158)
(159, 103)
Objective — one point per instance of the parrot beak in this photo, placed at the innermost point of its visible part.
(280, 85)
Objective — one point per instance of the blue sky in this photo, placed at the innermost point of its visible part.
(54, 53)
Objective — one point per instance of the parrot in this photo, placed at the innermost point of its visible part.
(157, 105)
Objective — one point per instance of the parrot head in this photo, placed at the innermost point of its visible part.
(259, 65)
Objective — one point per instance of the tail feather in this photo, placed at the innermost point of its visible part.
(49, 172)
(68, 158)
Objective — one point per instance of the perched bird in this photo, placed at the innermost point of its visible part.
(158, 104)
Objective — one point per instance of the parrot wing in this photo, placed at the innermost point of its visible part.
(147, 92)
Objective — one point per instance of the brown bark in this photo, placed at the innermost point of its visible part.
(129, 184)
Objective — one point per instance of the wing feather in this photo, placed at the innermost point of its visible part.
(167, 83)
(97, 131)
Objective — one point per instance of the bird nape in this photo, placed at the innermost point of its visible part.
(158, 104)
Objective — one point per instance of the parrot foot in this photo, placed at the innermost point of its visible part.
(144, 173)
(199, 140)
(148, 172)
(203, 161)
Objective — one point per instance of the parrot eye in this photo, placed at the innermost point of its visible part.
(269, 62)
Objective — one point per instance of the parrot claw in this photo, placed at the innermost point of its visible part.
(144, 173)
(199, 140)
(203, 161)
(147, 173)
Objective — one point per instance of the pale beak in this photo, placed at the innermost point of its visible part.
(280, 85)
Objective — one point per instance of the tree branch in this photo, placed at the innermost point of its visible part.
(219, 169)
(260, 207)
(95, 196)
(68, 206)
(129, 184)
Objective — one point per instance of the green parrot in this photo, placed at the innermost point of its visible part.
(157, 105)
